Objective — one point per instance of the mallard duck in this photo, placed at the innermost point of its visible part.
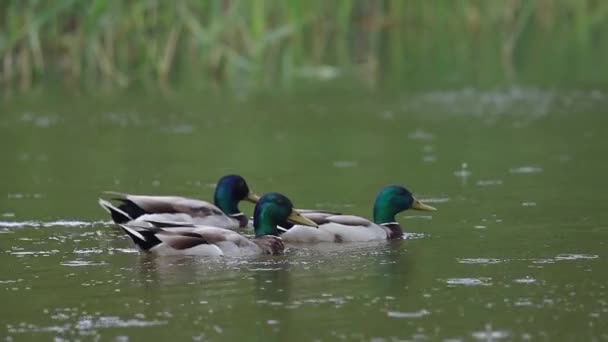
(344, 228)
(230, 190)
(271, 210)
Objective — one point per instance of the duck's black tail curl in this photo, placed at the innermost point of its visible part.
(144, 238)
(118, 215)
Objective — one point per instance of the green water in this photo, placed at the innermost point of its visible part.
(516, 251)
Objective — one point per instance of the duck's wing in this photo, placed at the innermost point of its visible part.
(178, 238)
(182, 241)
(317, 216)
(349, 220)
(169, 224)
(134, 206)
(217, 235)
(173, 204)
(230, 241)
(310, 211)
(337, 229)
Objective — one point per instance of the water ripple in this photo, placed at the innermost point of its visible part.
(61, 222)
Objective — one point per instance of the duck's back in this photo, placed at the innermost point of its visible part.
(220, 220)
(337, 228)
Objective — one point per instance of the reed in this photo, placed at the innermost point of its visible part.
(275, 43)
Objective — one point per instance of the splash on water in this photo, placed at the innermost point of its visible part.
(79, 263)
(469, 282)
(181, 129)
(401, 314)
(565, 257)
(489, 182)
(414, 236)
(429, 158)
(345, 163)
(434, 199)
(34, 253)
(463, 172)
(89, 251)
(85, 323)
(482, 261)
(420, 134)
(24, 196)
(523, 302)
(123, 250)
(40, 120)
(526, 169)
(89, 322)
(489, 334)
(576, 257)
(525, 280)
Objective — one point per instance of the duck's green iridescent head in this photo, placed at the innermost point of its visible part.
(275, 209)
(230, 190)
(394, 199)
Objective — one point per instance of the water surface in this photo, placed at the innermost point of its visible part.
(516, 251)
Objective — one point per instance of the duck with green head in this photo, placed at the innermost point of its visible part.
(390, 201)
(272, 209)
(230, 190)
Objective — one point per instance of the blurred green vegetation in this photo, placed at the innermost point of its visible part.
(281, 43)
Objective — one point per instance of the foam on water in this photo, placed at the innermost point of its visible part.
(483, 261)
(415, 314)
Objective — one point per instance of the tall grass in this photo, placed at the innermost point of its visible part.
(244, 44)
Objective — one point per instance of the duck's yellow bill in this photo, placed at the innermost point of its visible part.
(296, 218)
(421, 206)
(253, 198)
